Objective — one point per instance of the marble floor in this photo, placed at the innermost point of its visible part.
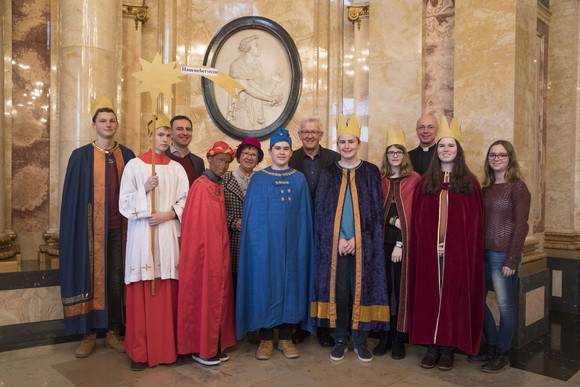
(55, 365)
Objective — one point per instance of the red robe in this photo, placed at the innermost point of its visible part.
(454, 317)
(205, 312)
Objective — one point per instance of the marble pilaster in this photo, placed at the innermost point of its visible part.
(130, 124)
(395, 71)
(88, 67)
(562, 143)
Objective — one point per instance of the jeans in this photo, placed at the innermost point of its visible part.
(505, 292)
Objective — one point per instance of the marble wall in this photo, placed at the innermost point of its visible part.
(395, 79)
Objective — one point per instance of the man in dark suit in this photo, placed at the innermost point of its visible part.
(310, 160)
(179, 149)
(421, 156)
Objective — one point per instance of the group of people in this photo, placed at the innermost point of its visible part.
(320, 241)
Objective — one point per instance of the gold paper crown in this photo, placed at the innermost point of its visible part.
(162, 120)
(102, 102)
(447, 130)
(351, 128)
(395, 138)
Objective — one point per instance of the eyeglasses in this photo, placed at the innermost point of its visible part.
(493, 156)
(251, 155)
(395, 153)
(309, 132)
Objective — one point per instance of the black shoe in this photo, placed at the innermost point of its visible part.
(384, 345)
(483, 357)
(324, 338)
(446, 359)
(299, 336)
(137, 366)
(498, 363)
(432, 356)
(399, 352)
(179, 361)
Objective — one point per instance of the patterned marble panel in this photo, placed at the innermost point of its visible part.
(438, 57)
(30, 305)
(30, 125)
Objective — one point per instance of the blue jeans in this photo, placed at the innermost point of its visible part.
(505, 292)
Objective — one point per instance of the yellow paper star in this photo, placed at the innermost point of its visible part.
(157, 77)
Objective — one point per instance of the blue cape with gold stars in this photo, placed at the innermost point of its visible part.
(276, 250)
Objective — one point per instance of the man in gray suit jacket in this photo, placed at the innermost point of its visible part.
(310, 160)
(179, 150)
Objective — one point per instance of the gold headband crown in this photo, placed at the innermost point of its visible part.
(102, 102)
(352, 127)
(162, 120)
(452, 130)
(395, 138)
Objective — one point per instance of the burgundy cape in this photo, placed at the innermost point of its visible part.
(205, 311)
(404, 202)
(452, 316)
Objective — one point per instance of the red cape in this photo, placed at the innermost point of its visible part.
(456, 317)
(206, 300)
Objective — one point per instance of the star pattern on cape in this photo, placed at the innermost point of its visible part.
(157, 77)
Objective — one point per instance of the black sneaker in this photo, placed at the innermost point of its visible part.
(483, 357)
(223, 356)
(498, 363)
(179, 361)
(208, 362)
(137, 366)
(339, 350)
(363, 353)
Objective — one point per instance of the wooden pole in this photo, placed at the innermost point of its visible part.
(153, 146)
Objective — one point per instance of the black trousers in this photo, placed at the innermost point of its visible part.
(115, 281)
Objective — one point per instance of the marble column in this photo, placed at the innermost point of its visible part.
(88, 66)
(395, 71)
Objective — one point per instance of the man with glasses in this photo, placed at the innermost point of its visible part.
(421, 156)
(310, 160)
(179, 149)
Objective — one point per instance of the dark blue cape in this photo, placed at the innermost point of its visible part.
(77, 272)
(370, 309)
(276, 250)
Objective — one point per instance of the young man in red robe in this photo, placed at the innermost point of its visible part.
(152, 279)
(205, 325)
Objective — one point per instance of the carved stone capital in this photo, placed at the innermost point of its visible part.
(7, 247)
(355, 12)
(139, 12)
